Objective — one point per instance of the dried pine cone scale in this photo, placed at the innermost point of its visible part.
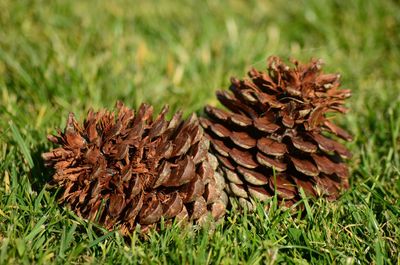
(123, 169)
(275, 135)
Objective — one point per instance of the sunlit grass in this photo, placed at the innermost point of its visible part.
(61, 56)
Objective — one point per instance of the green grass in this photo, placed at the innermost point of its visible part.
(61, 56)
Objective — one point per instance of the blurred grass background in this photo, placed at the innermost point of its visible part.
(61, 56)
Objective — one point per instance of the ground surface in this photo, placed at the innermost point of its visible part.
(61, 56)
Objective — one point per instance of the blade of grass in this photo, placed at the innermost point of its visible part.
(100, 239)
(39, 227)
(22, 144)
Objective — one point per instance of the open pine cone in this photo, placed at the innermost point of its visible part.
(274, 138)
(122, 169)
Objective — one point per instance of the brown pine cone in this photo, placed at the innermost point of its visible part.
(122, 169)
(274, 138)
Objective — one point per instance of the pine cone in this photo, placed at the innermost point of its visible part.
(123, 169)
(274, 138)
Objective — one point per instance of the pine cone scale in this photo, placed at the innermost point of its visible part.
(303, 145)
(305, 166)
(243, 140)
(233, 176)
(172, 205)
(243, 158)
(276, 164)
(271, 147)
(253, 177)
(259, 192)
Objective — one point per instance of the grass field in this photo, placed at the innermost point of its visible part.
(61, 56)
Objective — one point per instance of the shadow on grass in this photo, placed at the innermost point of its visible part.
(40, 175)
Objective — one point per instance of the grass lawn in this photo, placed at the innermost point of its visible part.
(61, 56)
